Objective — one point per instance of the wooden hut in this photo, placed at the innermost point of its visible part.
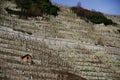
(27, 58)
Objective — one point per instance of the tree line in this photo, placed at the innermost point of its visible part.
(34, 8)
(93, 16)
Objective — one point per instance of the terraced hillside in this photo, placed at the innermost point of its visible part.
(63, 47)
(46, 62)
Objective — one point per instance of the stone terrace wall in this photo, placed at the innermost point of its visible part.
(79, 62)
(13, 45)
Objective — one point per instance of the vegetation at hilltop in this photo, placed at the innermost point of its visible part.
(34, 8)
(93, 16)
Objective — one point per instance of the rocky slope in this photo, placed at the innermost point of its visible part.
(72, 45)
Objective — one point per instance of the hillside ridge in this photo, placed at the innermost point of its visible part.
(63, 47)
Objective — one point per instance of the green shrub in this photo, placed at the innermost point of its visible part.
(19, 30)
(36, 7)
(118, 30)
(94, 17)
(12, 11)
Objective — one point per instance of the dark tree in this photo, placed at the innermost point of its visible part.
(36, 7)
(25, 5)
(79, 4)
(93, 16)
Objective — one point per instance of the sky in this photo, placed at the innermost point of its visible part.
(105, 6)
